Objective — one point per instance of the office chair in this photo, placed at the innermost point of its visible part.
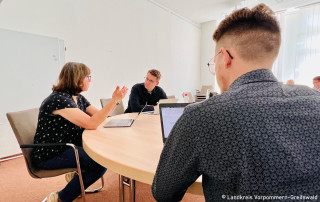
(24, 124)
(171, 97)
(204, 89)
(118, 110)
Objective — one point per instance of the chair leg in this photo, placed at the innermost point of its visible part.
(98, 189)
(79, 170)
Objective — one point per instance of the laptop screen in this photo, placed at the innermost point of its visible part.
(169, 114)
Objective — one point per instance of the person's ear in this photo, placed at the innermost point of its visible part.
(226, 56)
(157, 83)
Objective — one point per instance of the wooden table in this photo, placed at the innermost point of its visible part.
(133, 151)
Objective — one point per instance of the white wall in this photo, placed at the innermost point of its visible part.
(24, 59)
(207, 52)
(118, 39)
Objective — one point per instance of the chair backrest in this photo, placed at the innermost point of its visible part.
(24, 125)
(118, 110)
(171, 97)
(204, 89)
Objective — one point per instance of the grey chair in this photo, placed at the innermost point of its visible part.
(118, 110)
(205, 88)
(24, 124)
(171, 97)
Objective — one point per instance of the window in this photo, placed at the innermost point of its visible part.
(299, 56)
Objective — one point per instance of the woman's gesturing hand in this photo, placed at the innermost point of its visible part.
(119, 94)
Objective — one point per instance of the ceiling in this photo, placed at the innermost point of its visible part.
(199, 11)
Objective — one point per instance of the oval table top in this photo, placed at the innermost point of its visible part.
(133, 151)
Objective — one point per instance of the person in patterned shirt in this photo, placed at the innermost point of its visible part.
(259, 139)
(63, 116)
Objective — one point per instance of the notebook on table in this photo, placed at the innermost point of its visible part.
(114, 123)
(169, 114)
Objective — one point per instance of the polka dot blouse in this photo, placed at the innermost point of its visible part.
(56, 129)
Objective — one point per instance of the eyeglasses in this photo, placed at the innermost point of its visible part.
(89, 77)
(150, 80)
(211, 64)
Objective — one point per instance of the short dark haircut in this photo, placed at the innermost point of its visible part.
(155, 73)
(71, 78)
(317, 78)
(254, 32)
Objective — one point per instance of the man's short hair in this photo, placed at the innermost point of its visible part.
(155, 73)
(254, 33)
(317, 78)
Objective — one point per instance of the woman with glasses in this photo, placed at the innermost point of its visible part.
(63, 117)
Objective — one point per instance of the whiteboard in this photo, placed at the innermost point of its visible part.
(30, 64)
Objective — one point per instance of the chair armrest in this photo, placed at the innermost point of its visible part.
(62, 144)
(42, 145)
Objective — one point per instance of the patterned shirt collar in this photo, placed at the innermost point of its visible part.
(317, 89)
(260, 75)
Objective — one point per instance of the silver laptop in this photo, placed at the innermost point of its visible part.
(169, 114)
(114, 123)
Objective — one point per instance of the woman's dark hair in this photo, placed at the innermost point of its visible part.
(71, 78)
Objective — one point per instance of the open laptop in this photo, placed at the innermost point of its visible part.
(114, 123)
(169, 114)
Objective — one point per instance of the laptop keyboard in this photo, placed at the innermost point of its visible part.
(123, 121)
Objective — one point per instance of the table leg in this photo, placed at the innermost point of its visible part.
(121, 191)
(128, 182)
(132, 190)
